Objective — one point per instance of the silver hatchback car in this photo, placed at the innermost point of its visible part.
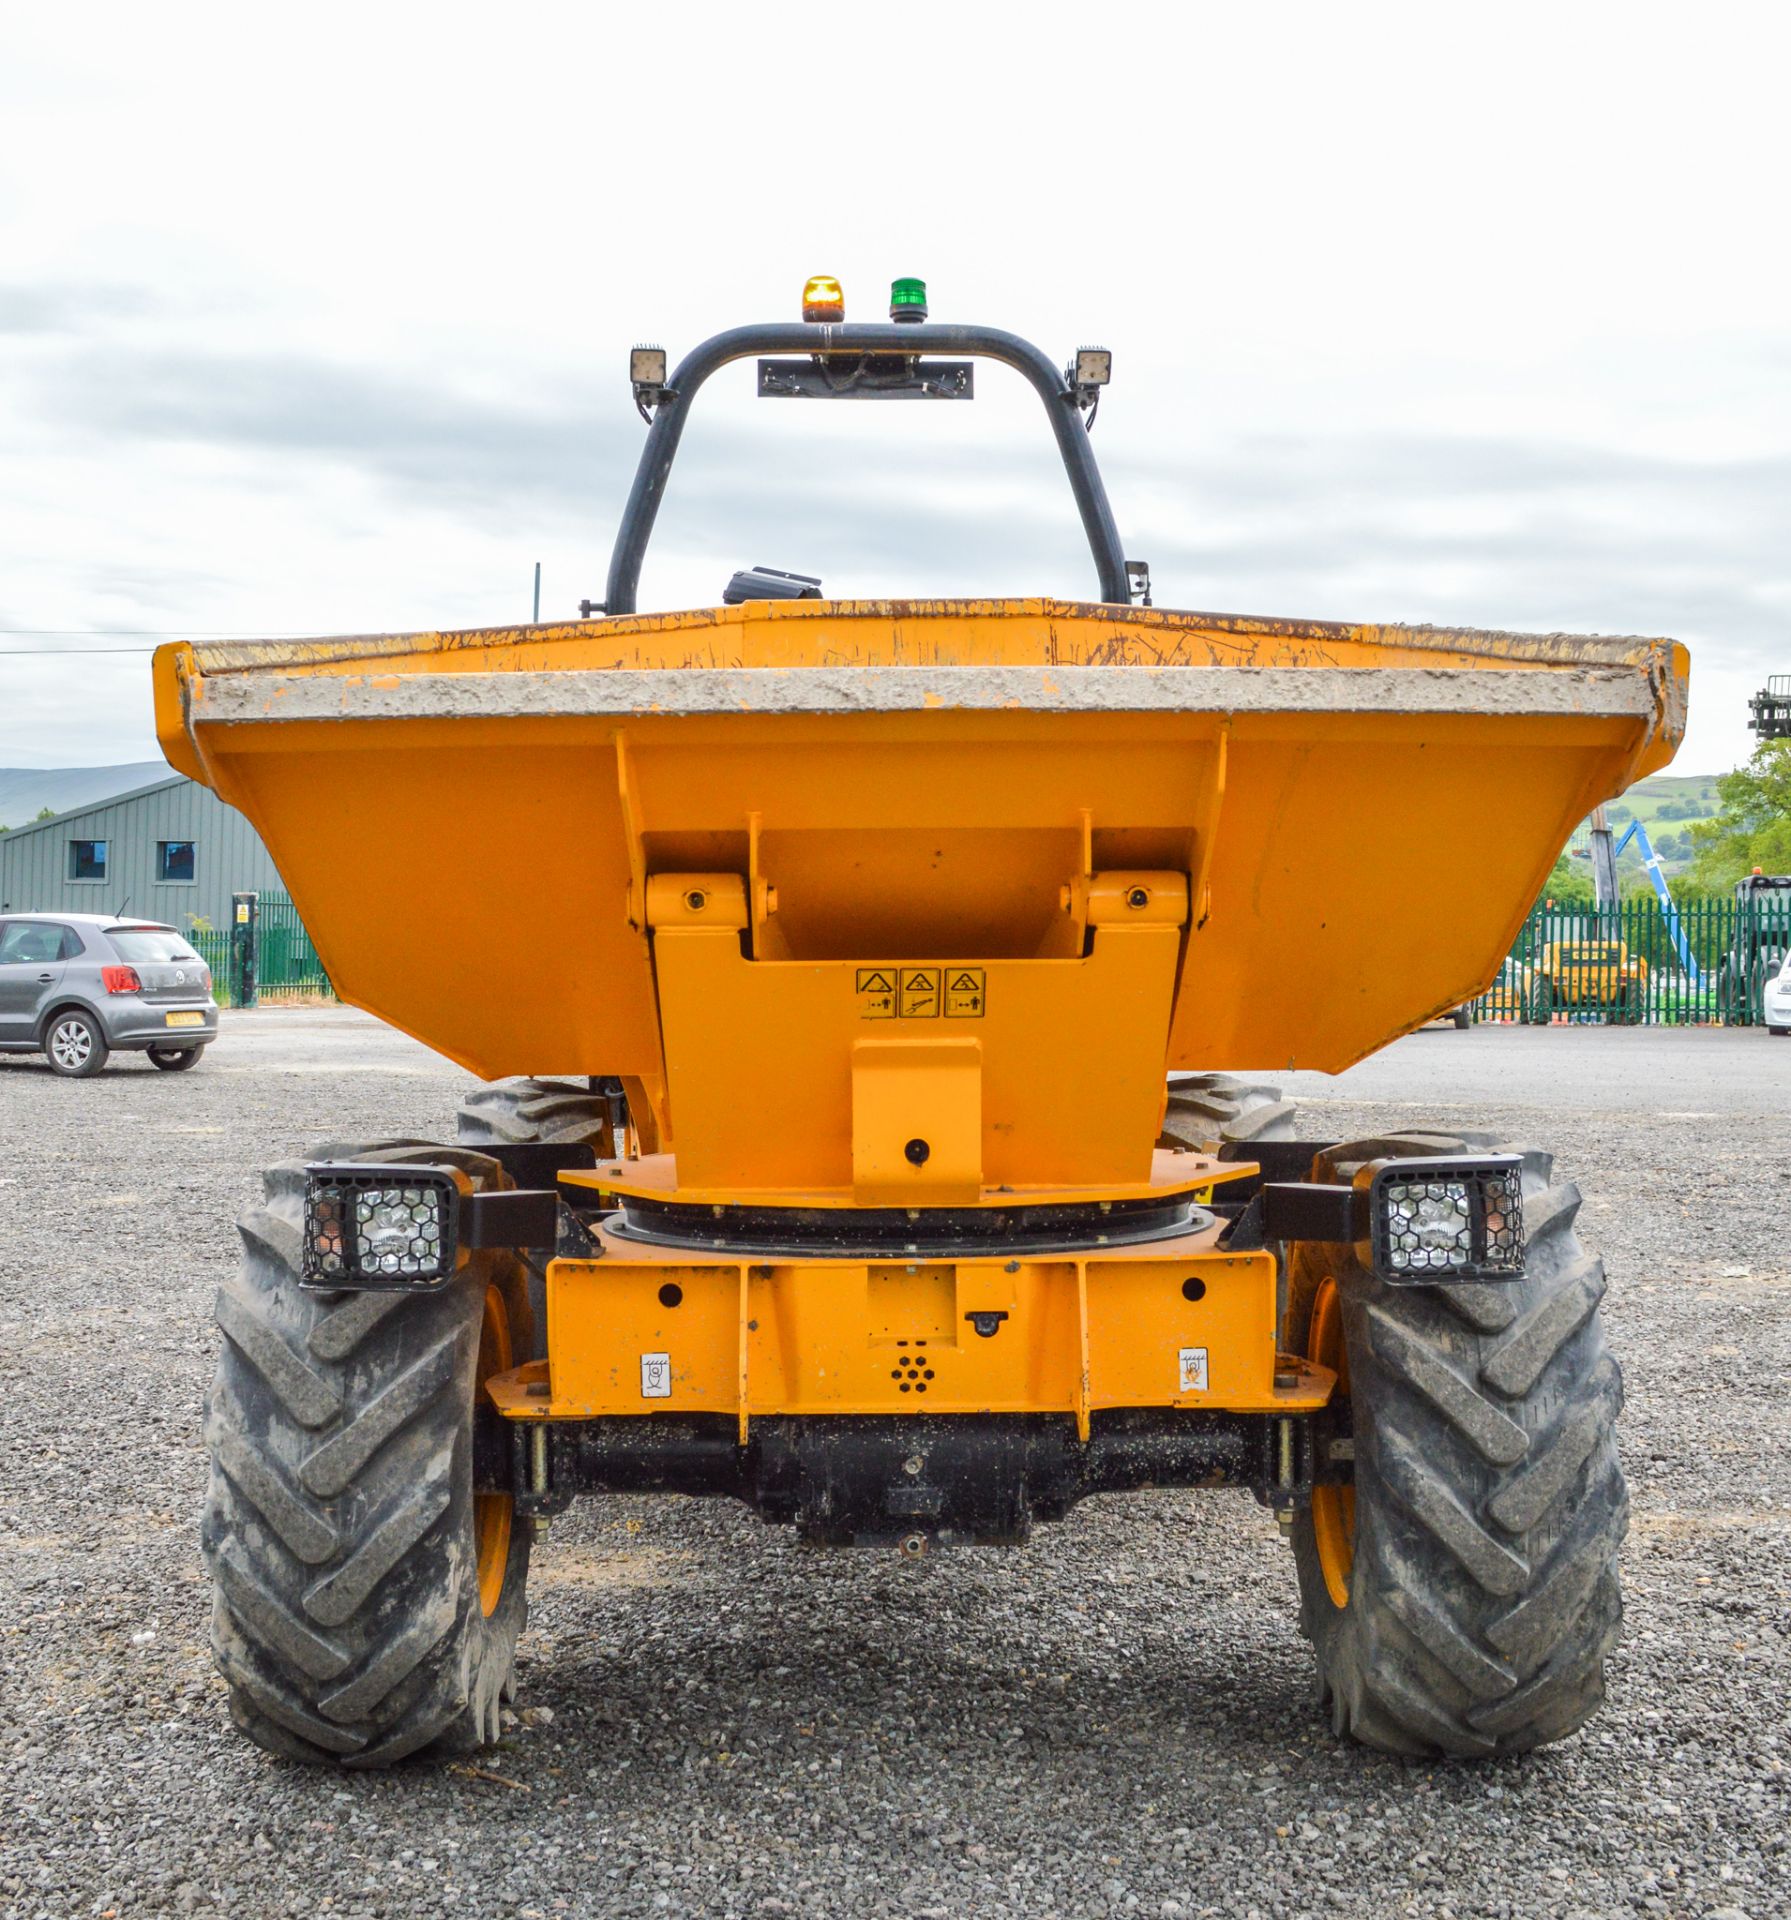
(80, 986)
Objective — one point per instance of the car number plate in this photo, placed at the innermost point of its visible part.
(185, 1019)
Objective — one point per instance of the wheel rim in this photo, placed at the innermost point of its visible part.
(493, 1513)
(71, 1045)
(1333, 1507)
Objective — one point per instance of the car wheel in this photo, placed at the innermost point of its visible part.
(75, 1045)
(175, 1059)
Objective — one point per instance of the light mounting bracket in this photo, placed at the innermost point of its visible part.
(872, 376)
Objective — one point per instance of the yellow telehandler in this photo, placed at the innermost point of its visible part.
(848, 976)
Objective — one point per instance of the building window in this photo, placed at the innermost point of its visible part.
(87, 859)
(174, 859)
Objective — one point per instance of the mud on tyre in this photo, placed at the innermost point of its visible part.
(366, 1602)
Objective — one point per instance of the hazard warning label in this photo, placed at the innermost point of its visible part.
(920, 993)
(966, 993)
(876, 993)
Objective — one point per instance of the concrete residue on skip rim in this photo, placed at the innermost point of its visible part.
(1605, 692)
(1079, 632)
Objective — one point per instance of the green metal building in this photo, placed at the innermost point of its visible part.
(170, 851)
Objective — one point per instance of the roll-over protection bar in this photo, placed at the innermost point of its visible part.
(804, 337)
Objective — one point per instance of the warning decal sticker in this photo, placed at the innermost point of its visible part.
(920, 993)
(876, 993)
(1193, 1370)
(966, 993)
(656, 1376)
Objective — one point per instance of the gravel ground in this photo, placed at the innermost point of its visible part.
(717, 1722)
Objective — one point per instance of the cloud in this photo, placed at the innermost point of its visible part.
(1453, 528)
(440, 447)
(432, 442)
(1586, 521)
(1474, 531)
(67, 309)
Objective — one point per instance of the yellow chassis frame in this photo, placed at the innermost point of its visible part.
(643, 1330)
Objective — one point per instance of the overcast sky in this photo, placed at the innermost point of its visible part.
(316, 319)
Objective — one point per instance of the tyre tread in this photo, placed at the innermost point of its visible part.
(1207, 1110)
(1490, 1505)
(346, 1614)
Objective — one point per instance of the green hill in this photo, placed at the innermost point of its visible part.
(26, 791)
(1666, 805)
(1669, 798)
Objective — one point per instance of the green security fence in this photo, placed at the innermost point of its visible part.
(1630, 965)
(290, 968)
(268, 956)
(212, 944)
(1626, 965)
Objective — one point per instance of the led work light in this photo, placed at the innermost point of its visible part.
(1455, 1218)
(381, 1226)
(646, 374)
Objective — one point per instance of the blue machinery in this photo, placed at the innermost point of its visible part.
(1604, 883)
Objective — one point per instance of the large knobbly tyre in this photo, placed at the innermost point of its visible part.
(530, 1112)
(1467, 1602)
(366, 1602)
(1207, 1110)
(526, 1113)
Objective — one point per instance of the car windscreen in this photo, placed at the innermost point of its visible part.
(146, 944)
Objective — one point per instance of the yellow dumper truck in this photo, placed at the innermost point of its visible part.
(858, 1155)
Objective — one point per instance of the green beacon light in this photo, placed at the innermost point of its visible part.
(908, 301)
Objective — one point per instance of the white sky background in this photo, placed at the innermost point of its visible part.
(316, 319)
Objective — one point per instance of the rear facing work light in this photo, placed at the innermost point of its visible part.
(1455, 1218)
(121, 980)
(908, 301)
(381, 1226)
(823, 299)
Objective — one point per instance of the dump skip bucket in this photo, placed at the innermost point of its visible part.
(470, 822)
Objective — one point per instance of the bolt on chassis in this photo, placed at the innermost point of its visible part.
(871, 1170)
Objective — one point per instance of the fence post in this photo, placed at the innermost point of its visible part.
(245, 948)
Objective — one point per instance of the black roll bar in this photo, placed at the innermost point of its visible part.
(805, 337)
